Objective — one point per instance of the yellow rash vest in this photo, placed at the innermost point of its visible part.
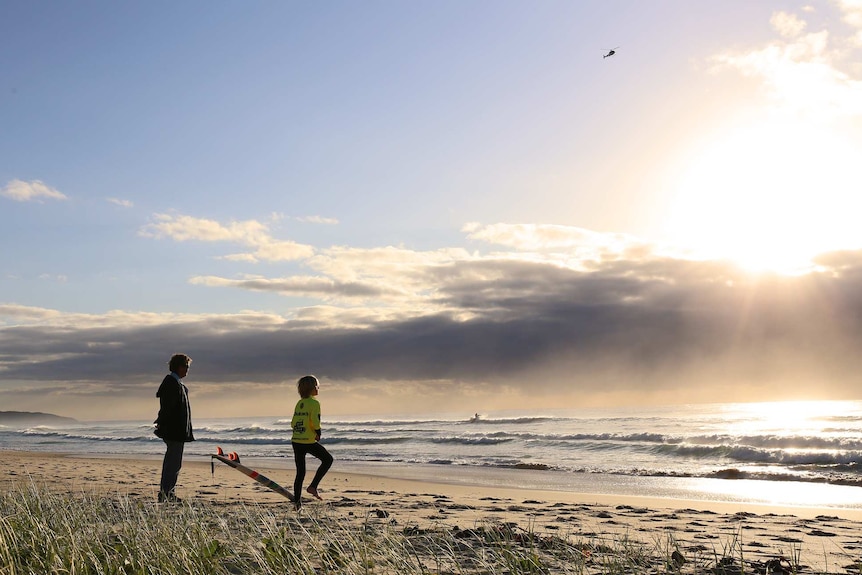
(306, 420)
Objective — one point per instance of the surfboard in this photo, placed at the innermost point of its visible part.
(232, 459)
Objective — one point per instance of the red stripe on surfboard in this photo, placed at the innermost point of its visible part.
(254, 474)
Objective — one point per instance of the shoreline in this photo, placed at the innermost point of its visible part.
(826, 537)
(716, 495)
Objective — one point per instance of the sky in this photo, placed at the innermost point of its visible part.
(435, 207)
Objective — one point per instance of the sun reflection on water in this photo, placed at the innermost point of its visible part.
(782, 493)
(790, 417)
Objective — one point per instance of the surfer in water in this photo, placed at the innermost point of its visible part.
(174, 423)
(306, 437)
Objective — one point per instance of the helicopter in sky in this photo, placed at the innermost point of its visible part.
(611, 52)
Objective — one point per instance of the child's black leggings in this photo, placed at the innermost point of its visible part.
(299, 452)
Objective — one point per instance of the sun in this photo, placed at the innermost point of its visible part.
(769, 196)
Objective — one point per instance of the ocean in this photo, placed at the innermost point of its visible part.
(790, 453)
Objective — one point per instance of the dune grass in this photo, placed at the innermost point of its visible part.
(48, 531)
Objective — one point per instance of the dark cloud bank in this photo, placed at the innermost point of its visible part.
(660, 324)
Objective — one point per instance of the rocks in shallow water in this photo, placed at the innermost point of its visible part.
(536, 466)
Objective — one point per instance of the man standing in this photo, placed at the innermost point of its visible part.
(174, 423)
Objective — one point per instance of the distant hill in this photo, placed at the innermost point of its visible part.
(27, 418)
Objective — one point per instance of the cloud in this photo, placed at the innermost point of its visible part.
(121, 203)
(391, 279)
(247, 258)
(578, 243)
(59, 278)
(249, 233)
(317, 220)
(187, 228)
(638, 325)
(852, 12)
(786, 24)
(274, 250)
(803, 73)
(22, 313)
(314, 287)
(35, 190)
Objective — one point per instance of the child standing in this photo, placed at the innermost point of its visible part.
(306, 437)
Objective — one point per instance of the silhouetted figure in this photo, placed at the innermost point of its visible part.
(306, 438)
(174, 423)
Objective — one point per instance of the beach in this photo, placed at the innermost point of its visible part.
(823, 540)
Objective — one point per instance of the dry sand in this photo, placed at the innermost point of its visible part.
(826, 540)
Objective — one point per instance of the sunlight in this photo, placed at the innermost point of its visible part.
(769, 196)
(795, 417)
(784, 494)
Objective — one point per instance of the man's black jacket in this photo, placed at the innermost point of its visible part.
(174, 422)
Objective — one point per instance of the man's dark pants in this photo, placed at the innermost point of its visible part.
(171, 466)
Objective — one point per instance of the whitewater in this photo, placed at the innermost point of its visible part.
(793, 453)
